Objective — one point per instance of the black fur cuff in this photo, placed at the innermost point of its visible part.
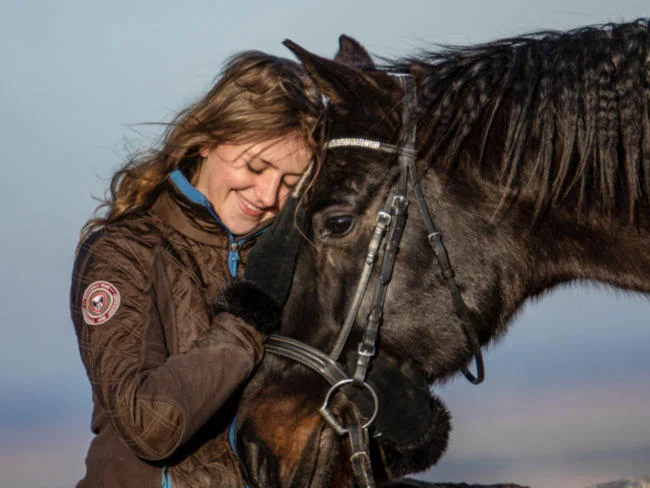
(400, 460)
(244, 299)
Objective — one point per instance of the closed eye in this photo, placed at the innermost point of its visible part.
(254, 169)
(290, 181)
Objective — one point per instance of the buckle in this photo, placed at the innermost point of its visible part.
(366, 350)
(383, 219)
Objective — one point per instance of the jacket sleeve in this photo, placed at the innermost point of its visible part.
(154, 401)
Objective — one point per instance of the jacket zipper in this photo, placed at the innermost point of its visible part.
(233, 254)
(233, 259)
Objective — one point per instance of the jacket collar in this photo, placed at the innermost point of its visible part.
(187, 210)
(184, 187)
(181, 207)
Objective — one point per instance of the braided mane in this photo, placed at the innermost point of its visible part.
(546, 116)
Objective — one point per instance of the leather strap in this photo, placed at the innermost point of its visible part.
(306, 355)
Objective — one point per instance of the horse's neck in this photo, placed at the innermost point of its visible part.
(615, 253)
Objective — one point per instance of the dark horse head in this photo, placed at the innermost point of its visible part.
(534, 160)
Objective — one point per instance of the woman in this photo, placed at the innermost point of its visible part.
(165, 365)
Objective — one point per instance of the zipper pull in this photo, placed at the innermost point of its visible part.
(233, 259)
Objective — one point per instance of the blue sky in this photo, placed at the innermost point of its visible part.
(567, 392)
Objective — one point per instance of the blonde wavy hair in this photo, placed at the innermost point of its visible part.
(257, 98)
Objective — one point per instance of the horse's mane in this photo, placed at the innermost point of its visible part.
(560, 115)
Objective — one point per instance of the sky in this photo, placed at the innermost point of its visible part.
(566, 398)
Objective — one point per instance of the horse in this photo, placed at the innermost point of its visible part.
(532, 157)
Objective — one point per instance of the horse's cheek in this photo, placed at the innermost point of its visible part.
(285, 425)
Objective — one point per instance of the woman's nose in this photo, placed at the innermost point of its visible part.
(267, 189)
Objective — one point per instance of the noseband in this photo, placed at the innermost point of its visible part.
(389, 227)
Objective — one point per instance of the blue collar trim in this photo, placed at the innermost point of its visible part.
(194, 195)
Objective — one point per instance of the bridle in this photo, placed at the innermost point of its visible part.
(389, 227)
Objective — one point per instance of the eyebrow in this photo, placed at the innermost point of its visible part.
(266, 161)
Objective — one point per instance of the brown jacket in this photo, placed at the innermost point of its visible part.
(164, 370)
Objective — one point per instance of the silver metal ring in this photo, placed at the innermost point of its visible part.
(329, 418)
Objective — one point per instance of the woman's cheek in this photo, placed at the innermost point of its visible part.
(240, 179)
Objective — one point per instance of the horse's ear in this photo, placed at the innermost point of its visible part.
(352, 53)
(339, 82)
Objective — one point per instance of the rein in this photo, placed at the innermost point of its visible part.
(389, 228)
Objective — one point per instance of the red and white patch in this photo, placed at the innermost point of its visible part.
(100, 302)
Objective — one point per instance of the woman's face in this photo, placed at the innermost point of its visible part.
(249, 183)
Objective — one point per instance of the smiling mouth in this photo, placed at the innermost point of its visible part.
(249, 209)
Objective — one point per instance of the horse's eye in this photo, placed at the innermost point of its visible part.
(338, 225)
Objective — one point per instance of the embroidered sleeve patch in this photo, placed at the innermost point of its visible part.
(100, 302)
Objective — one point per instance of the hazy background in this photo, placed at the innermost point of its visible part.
(567, 395)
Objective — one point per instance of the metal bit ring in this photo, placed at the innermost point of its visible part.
(329, 418)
